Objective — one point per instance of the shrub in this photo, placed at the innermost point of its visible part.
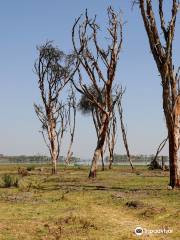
(78, 166)
(9, 181)
(30, 168)
(23, 172)
(16, 182)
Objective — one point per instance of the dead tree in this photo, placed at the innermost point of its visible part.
(100, 66)
(71, 121)
(161, 47)
(97, 116)
(53, 69)
(87, 107)
(154, 163)
(123, 129)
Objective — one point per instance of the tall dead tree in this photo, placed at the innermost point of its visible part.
(87, 107)
(100, 65)
(53, 69)
(161, 47)
(72, 106)
(154, 163)
(123, 129)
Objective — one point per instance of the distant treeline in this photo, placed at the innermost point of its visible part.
(136, 158)
(31, 159)
(46, 159)
(24, 159)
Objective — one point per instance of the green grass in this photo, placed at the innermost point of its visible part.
(70, 206)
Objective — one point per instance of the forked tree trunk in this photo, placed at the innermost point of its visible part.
(100, 144)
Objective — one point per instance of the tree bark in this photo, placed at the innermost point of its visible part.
(162, 163)
(124, 135)
(110, 160)
(54, 145)
(100, 144)
(174, 159)
(173, 125)
(102, 159)
(54, 167)
(69, 154)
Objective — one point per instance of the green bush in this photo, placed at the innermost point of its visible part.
(30, 168)
(9, 181)
(78, 166)
(16, 182)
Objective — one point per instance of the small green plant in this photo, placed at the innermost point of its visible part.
(78, 166)
(30, 168)
(9, 181)
(16, 182)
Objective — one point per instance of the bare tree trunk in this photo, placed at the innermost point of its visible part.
(100, 144)
(111, 139)
(54, 145)
(173, 125)
(93, 169)
(69, 154)
(162, 163)
(97, 123)
(110, 160)
(124, 135)
(111, 144)
(173, 158)
(54, 166)
(72, 106)
(154, 163)
(111, 155)
(102, 160)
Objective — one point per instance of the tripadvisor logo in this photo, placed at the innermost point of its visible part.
(138, 231)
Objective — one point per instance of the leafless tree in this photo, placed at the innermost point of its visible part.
(53, 69)
(72, 106)
(162, 50)
(87, 107)
(100, 66)
(123, 129)
(154, 163)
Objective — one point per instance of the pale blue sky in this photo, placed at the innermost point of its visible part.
(24, 24)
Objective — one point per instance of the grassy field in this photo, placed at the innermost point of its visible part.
(70, 206)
